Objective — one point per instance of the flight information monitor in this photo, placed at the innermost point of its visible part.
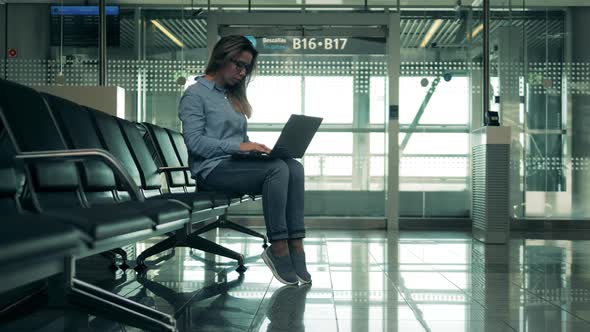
(80, 25)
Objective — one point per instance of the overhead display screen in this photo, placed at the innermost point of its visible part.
(80, 25)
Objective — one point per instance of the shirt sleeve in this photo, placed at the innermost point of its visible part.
(192, 114)
(246, 138)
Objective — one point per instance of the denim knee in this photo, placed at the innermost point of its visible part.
(278, 168)
(296, 170)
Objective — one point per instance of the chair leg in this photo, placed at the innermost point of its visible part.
(119, 300)
(123, 254)
(110, 255)
(159, 247)
(96, 305)
(192, 241)
(65, 291)
(197, 242)
(237, 227)
(174, 298)
(208, 227)
(223, 222)
(120, 252)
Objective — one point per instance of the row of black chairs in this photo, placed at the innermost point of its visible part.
(76, 182)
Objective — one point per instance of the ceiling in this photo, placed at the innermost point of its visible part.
(324, 3)
(193, 32)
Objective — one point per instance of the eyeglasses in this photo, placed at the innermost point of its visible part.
(241, 65)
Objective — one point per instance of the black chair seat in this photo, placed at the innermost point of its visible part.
(195, 201)
(161, 211)
(220, 198)
(251, 197)
(35, 236)
(235, 199)
(105, 221)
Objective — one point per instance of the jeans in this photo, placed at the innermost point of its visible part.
(281, 182)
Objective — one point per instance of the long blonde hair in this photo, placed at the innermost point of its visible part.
(226, 49)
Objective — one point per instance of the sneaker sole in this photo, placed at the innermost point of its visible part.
(271, 266)
(304, 282)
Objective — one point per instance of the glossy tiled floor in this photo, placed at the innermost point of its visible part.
(364, 281)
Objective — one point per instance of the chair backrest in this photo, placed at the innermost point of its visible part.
(11, 180)
(181, 153)
(125, 142)
(113, 140)
(151, 179)
(31, 127)
(162, 145)
(79, 132)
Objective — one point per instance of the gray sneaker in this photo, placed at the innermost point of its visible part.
(298, 260)
(281, 267)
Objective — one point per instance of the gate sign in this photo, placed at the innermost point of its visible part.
(320, 45)
(12, 53)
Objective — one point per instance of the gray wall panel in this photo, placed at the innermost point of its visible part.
(580, 49)
(31, 35)
(2, 39)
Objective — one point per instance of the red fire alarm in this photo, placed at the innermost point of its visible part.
(12, 53)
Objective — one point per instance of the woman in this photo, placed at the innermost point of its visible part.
(213, 112)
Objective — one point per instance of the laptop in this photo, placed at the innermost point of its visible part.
(293, 141)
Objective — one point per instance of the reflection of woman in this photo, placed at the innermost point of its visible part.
(213, 112)
(287, 308)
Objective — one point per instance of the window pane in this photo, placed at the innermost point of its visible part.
(329, 97)
(264, 137)
(433, 167)
(436, 143)
(377, 143)
(449, 103)
(330, 143)
(378, 100)
(274, 98)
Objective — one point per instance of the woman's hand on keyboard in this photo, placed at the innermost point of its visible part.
(255, 147)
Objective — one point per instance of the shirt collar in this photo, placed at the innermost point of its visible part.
(210, 84)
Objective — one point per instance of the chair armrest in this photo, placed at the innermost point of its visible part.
(83, 155)
(172, 169)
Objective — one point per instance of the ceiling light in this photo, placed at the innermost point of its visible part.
(433, 29)
(167, 33)
(476, 31)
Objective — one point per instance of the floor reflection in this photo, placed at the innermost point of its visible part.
(363, 281)
(286, 309)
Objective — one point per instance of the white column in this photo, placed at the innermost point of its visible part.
(393, 67)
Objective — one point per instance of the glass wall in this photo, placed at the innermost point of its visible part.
(336, 88)
(435, 109)
(161, 49)
(539, 85)
(341, 79)
(539, 78)
(149, 52)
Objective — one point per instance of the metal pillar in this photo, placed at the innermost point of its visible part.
(393, 68)
(102, 48)
(486, 60)
(212, 32)
(510, 51)
(4, 8)
(140, 32)
(361, 141)
(414, 124)
(580, 113)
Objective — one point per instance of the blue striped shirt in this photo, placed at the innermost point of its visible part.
(212, 129)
